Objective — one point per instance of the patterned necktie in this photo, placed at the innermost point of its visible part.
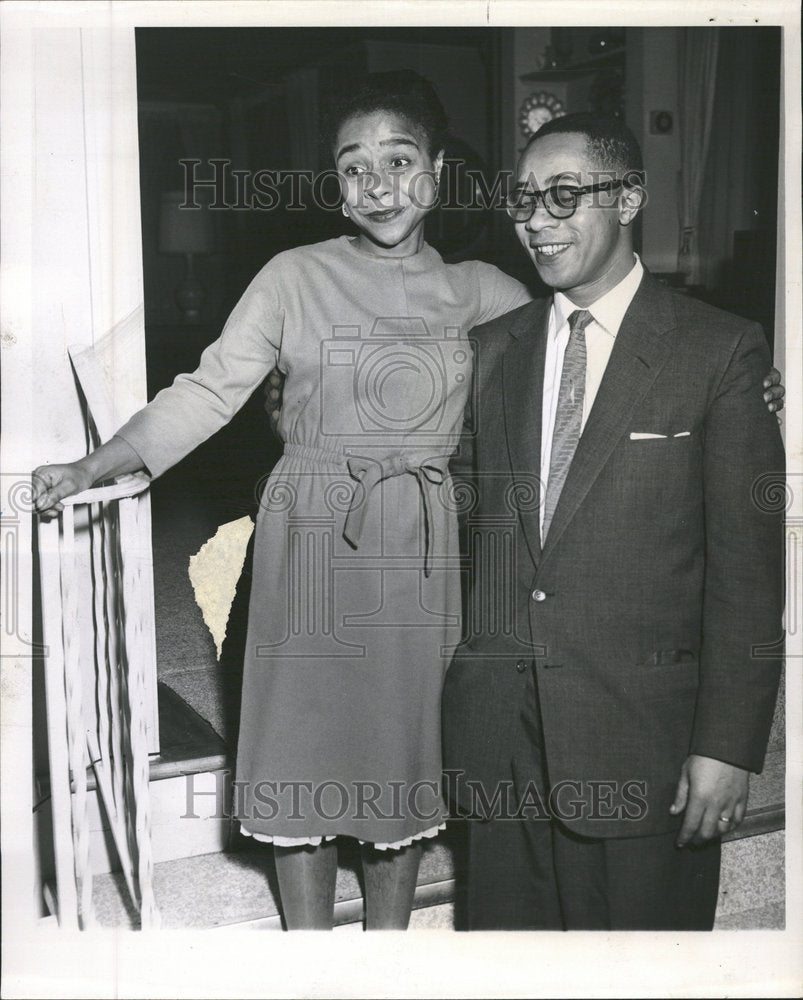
(569, 415)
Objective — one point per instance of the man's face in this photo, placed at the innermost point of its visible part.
(589, 253)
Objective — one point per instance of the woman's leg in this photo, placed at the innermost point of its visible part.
(307, 878)
(390, 880)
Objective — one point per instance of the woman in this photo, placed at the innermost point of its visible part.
(355, 602)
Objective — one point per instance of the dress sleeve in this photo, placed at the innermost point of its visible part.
(499, 293)
(185, 414)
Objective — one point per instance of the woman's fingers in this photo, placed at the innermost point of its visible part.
(51, 484)
(48, 513)
(775, 391)
(41, 480)
(48, 504)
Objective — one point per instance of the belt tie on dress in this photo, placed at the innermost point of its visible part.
(429, 472)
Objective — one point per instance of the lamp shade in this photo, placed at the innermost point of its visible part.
(184, 230)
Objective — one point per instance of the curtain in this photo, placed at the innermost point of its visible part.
(698, 53)
(741, 183)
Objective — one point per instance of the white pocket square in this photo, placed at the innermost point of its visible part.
(648, 436)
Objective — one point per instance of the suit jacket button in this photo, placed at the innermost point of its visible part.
(521, 666)
(538, 595)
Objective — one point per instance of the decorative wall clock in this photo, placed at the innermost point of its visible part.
(536, 110)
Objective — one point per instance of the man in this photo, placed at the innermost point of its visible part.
(603, 740)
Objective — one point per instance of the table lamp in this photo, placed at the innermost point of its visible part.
(187, 231)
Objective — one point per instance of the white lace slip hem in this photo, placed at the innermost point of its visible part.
(265, 838)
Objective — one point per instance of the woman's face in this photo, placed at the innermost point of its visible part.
(388, 179)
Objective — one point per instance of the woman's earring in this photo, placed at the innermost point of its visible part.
(344, 210)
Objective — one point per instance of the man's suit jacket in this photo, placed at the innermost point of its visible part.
(652, 614)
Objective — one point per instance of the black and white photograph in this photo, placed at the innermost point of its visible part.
(402, 498)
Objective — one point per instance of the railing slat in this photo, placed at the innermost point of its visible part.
(123, 654)
(115, 817)
(113, 632)
(135, 661)
(58, 753)
(100, 584)
(76, 723)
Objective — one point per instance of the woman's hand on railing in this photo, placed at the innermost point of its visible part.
(51, 483)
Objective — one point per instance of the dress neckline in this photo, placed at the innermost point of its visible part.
(427, 255)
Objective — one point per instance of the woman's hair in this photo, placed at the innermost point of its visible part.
(401, 92)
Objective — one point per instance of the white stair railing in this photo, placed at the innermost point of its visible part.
(114, 739)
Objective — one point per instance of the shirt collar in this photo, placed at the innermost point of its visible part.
(609, 310)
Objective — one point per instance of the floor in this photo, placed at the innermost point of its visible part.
(218, 890)
(239, 887)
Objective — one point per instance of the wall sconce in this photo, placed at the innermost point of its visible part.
(187, 231)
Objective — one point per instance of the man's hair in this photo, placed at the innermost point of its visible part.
(610, 142)
(400, 92)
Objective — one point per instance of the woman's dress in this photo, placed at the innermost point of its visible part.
(355, 599)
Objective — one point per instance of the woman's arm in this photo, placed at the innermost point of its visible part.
(51, 483)
(499, 293)
(187, 412)
(198, 404)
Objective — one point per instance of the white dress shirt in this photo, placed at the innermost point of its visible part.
(608, 313)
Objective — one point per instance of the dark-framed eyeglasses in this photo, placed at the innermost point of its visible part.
(560, 200)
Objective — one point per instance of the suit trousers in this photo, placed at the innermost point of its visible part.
(536, 874)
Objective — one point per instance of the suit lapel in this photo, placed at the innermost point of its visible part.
(639, 353)
(522, 393)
